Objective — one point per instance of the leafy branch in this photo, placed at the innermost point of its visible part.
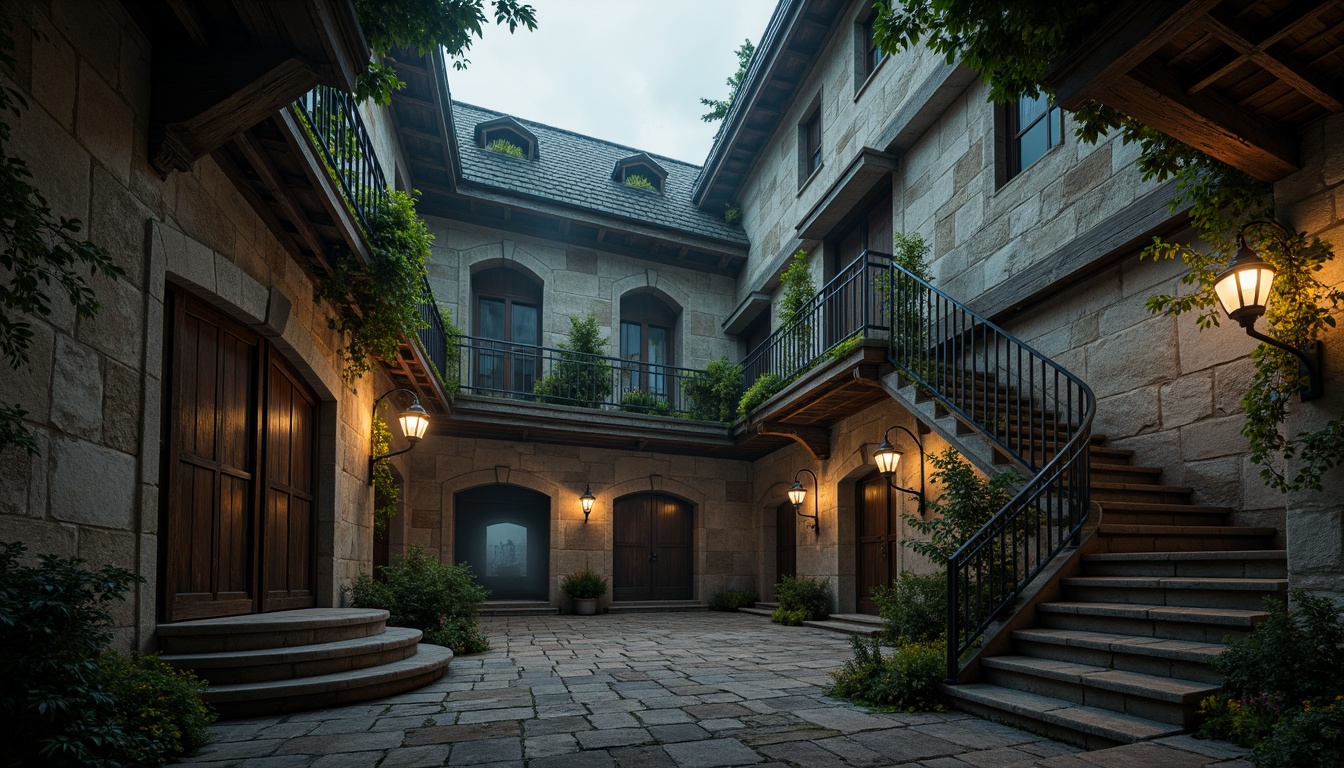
(718, 108)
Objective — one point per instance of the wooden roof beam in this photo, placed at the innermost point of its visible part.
(1236, 35)
(817, 440)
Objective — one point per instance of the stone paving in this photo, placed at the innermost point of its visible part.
(674, 690)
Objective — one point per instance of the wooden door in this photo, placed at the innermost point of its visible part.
(652, 548)
(786, 542)
(288, 513)
(878, 538)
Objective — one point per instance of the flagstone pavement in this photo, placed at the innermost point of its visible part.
(674, 690)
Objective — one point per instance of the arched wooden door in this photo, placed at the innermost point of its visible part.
(786, 541)
(879, 539)
(652, 548)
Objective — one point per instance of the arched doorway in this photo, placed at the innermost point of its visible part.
(504, 533)
(652, 548)
(786, 541)
(877, 509)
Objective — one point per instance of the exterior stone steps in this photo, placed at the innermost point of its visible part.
(1205, 592)
(1089, 727)
(303, 659)
(1201, 625)
(757, 611)
(1144, 492)
(1265, 564)
(1108, 456)
(517, 608)
(850, 624)
(1162, 699)
(652, 606)
(1123, 473)
(1149, 513)
(1185, 659)
(1183, 538)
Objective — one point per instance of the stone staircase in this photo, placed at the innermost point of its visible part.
(845, 623)
(306, 659)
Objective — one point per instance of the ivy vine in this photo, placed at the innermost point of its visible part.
(386, 492)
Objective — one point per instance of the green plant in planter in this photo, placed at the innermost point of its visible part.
(640, 182)
(713, 394)
(584, 585)
(506, 147)
(581, 376)
(643, 401)
(766, 386)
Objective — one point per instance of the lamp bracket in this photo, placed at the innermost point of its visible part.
(1310, 360)
(886, 438)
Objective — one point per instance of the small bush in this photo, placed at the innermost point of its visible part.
(640, 182)
(581, 376)
(1243, 720)
(913, 608)
(420, 592)
(905, 680)
(506, 147)
(159, 707)
(1297, 654)
(642, 401)
(731, 213)
(788, 618)
(845, 348)
(732, 599)
(713, 394)
(766, 386)
(1310, 738)
(584, 585)
(811, 596)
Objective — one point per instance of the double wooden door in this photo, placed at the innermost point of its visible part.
(237, 471)
(878, 510)
(652, 548)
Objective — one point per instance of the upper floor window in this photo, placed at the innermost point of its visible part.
(1034, 126)
(640, 171)
(809, 144)
(647, 325)
(507, 136)
(872, 54)
(507, 319)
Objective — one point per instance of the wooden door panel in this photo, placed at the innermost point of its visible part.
(652, 548)
(672, 562)
(631, 538)
(291, 413)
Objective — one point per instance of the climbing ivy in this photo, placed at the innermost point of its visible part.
(386, 492)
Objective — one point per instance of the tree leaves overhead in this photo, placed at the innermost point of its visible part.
(719, 109)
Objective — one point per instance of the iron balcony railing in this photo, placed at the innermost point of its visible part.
(1031, 409)
(850, 306)
(339, 134)
(433, 335)
(539, 374)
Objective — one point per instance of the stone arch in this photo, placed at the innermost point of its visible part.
(666, 486)
(667, 287)
(449, 488)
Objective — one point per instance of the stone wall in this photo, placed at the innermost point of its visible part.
(93, 387)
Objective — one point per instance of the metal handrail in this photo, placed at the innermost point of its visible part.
(333, 117)
(1033, 410)
(433, 335)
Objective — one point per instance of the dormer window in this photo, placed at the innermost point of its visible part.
(508, 137)
(640, 171)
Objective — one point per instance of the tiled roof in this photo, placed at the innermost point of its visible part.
(576, 170)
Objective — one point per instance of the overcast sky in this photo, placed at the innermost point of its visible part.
(629, 71)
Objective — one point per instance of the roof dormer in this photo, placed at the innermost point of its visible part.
(631, 170)
(506, 129)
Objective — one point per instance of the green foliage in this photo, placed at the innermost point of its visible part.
(967, 503)
(719, 109)
(426, 25)
(640, 182)
(766, 386)
(913, 608)
(731, 213)
(159, 707)
(584, 585)
(845, 348)
(1310, 738)
(714, 393)
(732, 599)
(789, 618)
(378, 304)
(420, 592)
(386, 492)
(37, 248)
(905, 680)
(506, 147)
(452, 339)
(643, 401)
(581, 376)
(811, 596)
(1244, 720)
(799, 289)
(908, 309)
(72, 708)
(1298, 654)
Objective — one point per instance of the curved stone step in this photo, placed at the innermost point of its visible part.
(1085, 726)
(276, 696)
(263, 664)
(270, 630)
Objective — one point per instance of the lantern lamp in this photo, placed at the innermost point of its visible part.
(586, 500)
(797, 494)
(887, 458)
(414, 423)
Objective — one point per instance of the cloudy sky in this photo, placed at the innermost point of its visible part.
(629, 71)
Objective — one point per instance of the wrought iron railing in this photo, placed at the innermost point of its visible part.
(433, 335)
(1032, 410)
(548, 375)
(339, 134)
(850, 306)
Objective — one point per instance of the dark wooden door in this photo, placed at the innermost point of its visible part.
(288, 513)
(653, 552)
(878, 538)
(786, 542)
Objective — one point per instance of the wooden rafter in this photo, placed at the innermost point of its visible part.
(1237, 36)
(817, 440)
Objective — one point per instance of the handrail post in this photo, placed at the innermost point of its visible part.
(953, 631)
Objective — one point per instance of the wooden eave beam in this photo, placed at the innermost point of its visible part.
(817, 440)
(1235, 34)
(276, 188)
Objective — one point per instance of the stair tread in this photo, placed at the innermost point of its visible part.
(1138, 645)
(1104, 723)
(847, 627)
(1238, 583)
(857, 618)
(1187, 530)
(756, 611)
(1104, 486)
(426, 659)
(1169, 689)
(392, 637)
(1231, 616)
(1231, 554)
(280, 621)
(1161, 506)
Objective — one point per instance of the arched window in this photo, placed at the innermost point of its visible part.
(507, 320)
(647, 344)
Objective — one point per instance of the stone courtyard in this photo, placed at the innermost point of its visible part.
(681, 690)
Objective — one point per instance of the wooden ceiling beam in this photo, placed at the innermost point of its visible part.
(817, 440)
(1237, 36)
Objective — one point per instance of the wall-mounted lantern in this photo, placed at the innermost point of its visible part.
(1243, 288)
(414, 423)
(887, 458)
(587, 500)
(797, 493)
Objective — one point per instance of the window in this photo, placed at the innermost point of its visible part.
(1034, 126)
(647, 324)
(508, 322)
(871, 54)
(506, 129)
(640, 171)
(809, 142)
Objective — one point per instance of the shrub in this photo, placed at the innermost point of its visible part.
(451, 376)
(1297, 654)
(584, 585)
(640, 182)
(581, 376)
(967, 503)
(714, 393)
(420, 592)
(643, 401)
(788, 618)
(845, 348)
(506, 147)
(811, 596)
(159, 707)
(1243, 720)
(732, 599)
(731, 213)
(905, 680)
(765, 387)
(913, 608)
(1311, 738)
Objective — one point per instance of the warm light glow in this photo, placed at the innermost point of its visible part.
(414, 422)
(797, 493)
(587, 500)
(886, 457)
(1243, 288)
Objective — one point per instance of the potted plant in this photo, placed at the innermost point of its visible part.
(584, 588)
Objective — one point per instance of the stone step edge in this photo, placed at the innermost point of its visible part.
(1172, 690)
(1228, 583)
(391, 639)
(1126, 529)
(1233, 617)
(845, 627)
(427, 659)
(281, 621)
(1192, 556)
(1130, 645)
(757, 611)
(1115, 726)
